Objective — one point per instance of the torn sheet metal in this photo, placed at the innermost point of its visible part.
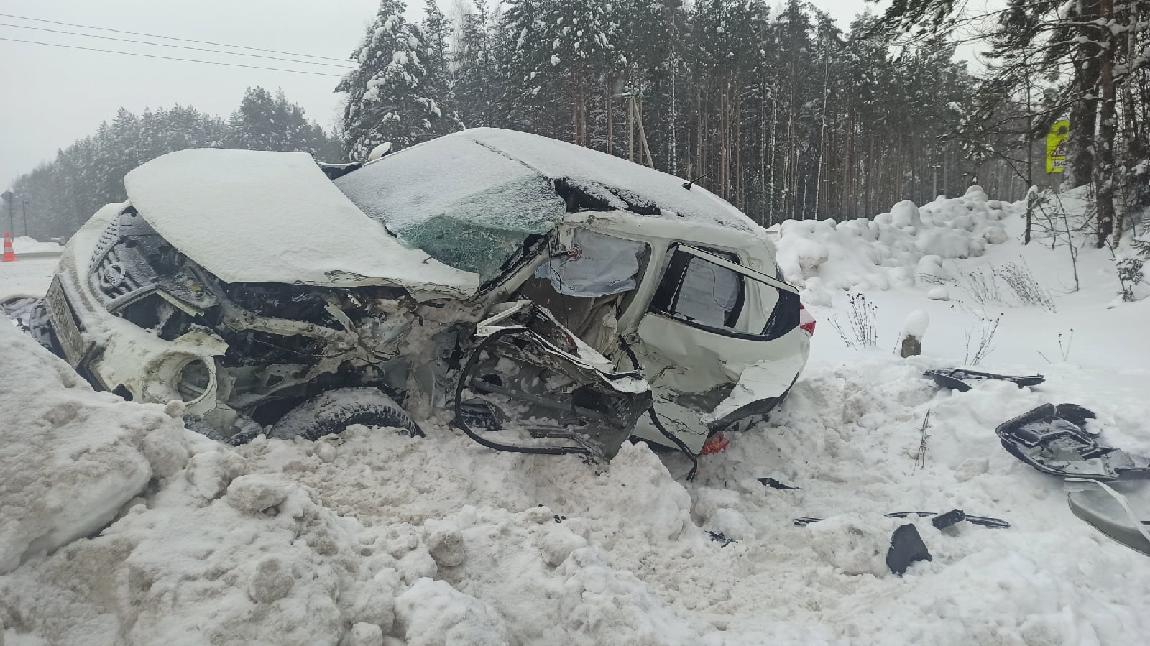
(530, 386)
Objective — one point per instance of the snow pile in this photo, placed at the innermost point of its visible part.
(71, 458)
(893, 248)
(27, 244)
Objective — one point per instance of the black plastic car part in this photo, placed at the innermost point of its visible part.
(1053, 439)
(959, 378)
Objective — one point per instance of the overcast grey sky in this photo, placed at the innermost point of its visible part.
(50, 96)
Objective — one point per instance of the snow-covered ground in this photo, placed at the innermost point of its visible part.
(26, 276)
(26, 244)
(373, 537)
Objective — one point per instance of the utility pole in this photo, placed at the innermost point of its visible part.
(24, 212)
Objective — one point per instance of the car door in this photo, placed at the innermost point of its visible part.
(709, 320)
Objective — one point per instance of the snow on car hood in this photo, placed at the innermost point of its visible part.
(272, 217)
(471, 198)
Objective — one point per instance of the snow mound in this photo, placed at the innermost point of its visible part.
(891, 250)
(71, 458)
(28, 244)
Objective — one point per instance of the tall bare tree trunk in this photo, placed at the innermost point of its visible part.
(607, 83)
(1084, 110)
(1104, 176)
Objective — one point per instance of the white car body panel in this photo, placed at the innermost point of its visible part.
(320, 237)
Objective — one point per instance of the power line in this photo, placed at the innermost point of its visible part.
(344, 65)
(176, 38)
(170, 58)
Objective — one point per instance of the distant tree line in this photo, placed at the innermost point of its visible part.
(62, 194)
(785, 115)
(1088, 61)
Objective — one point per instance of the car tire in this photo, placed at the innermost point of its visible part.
(332, 412)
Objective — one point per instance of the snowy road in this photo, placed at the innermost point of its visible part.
(29, 275)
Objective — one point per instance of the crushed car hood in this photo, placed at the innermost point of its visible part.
(272, 217)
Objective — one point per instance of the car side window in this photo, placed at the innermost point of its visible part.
(697, 290)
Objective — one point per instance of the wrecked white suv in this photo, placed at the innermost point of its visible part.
(549, 298)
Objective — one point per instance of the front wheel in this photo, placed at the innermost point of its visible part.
(333, 411)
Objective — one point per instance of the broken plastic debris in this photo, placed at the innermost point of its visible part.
(1053, 440)
(722, 539)
(906, 548)
(983, 521)
(958, 378)
(949, 519)
(775, 484)
(1109, 512)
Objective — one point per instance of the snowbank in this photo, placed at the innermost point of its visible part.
(26, 244)
(867, 254)
(70, 458)
(374, 535)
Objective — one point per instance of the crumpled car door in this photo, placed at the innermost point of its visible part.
(719, 342)
(529, 385)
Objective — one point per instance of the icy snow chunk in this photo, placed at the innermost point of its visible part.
(853, 543)
(916, 324)
(905, 214)
(271, 581)
(70, 458)
(432, 613)
(994, 234)
(975, 193)
(445, 544)
(257, 494)
(946, 243)
(363, 634)
(939, 293)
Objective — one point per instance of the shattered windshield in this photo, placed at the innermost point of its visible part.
(481, 233)
(461, 203)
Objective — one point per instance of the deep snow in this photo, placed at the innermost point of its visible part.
(373, 537)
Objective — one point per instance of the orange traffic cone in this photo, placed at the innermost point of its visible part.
(9, 252)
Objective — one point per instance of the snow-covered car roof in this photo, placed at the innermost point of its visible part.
(471, 198)
(273, 217)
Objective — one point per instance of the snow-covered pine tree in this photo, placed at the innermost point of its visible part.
(387, 93)
(581, 40)
(529, 98)
(475, 87)
(267, 122)
(437, 78)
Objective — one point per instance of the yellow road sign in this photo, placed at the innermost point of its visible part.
(1056, 141)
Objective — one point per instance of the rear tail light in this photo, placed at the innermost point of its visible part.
(806, 321)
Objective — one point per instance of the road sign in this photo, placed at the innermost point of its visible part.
(1056, 142)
